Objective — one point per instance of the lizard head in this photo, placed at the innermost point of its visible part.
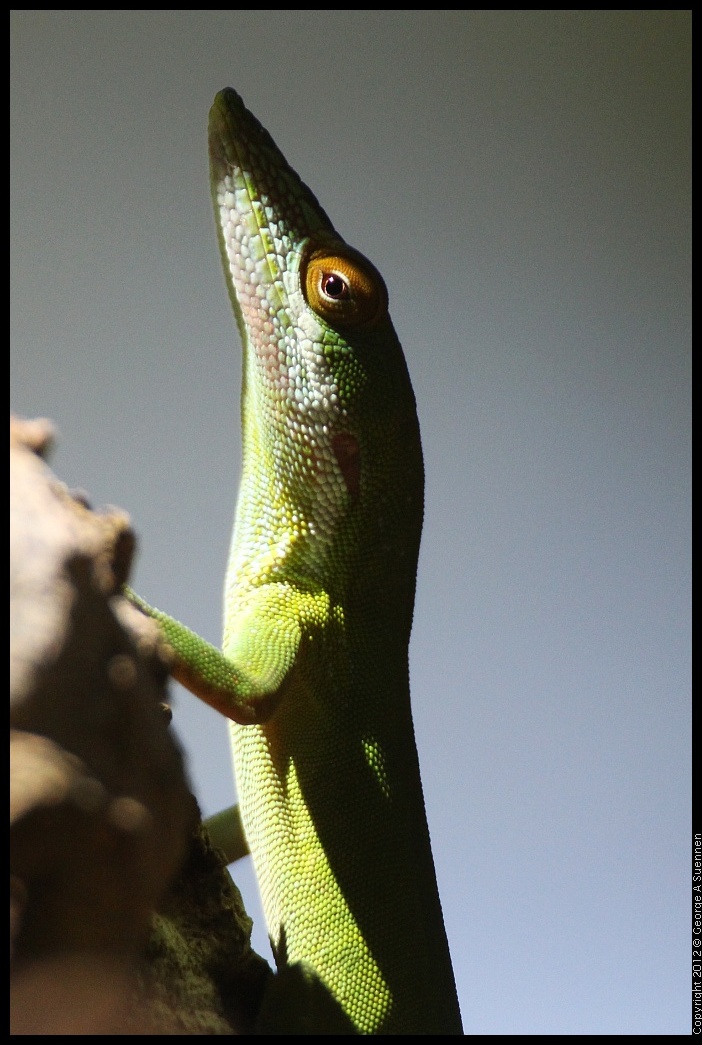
(329, 419)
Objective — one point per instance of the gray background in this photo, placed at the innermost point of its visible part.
(521, 180)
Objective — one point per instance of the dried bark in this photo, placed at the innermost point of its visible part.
(123, 917)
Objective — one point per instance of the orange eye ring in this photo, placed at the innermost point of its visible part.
(344, 288)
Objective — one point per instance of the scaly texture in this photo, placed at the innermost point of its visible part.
(318, 609)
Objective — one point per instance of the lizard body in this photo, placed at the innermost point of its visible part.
(318, 605)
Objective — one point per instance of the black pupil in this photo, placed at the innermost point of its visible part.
(334, 286)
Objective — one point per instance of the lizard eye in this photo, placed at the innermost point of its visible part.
(333, 286)
(344, 289)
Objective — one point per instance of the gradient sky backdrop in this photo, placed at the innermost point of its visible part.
(521, 179)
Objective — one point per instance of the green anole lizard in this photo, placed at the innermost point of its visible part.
(318, 608)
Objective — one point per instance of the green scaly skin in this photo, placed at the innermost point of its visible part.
(318, 609)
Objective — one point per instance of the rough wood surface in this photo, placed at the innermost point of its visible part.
(123, 917)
